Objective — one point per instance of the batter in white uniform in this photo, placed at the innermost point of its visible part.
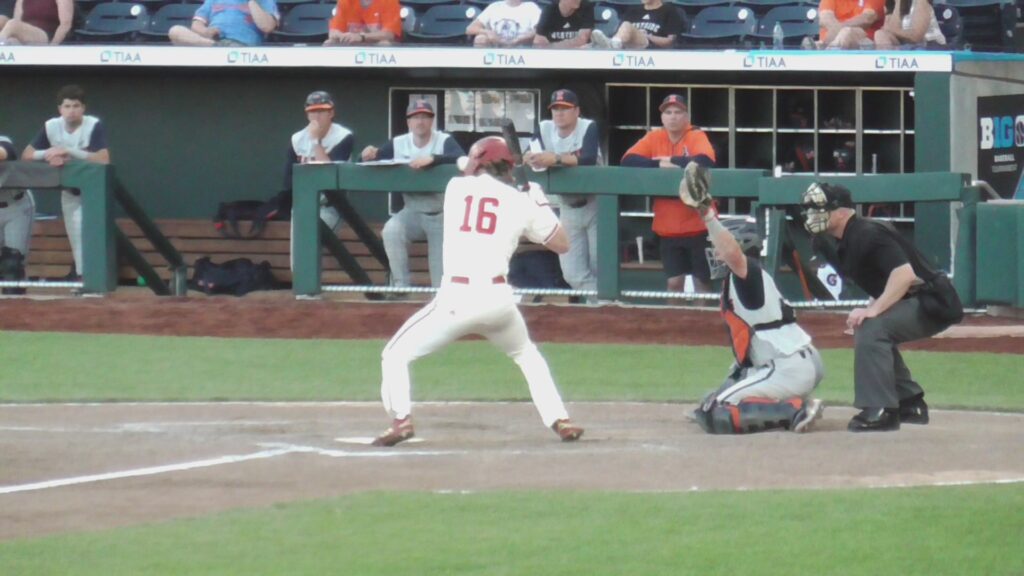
(484, 219)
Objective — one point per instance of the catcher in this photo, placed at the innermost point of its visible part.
(776, 366)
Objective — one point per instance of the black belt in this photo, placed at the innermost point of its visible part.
(17, 197)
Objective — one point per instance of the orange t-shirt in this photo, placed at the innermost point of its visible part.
(846, 9)
(672, 218)
(351, 16)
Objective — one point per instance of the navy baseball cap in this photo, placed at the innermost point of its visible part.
(563, 99)
(319, 100)
(673, 100)
(419, 107)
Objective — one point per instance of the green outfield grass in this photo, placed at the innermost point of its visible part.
(80, 367)
(922, 531)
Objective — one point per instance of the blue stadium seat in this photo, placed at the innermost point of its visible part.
(720, 27)
(113, 22)
(797, 22)
(304, 24)
(951, 25)
(762, 7)
(443, 24)
(988, 25)
(167, 16)
(693, 7)
(606, 19)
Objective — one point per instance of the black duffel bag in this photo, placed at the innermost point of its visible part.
(939, 300)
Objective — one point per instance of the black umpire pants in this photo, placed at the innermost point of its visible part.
(881, 377)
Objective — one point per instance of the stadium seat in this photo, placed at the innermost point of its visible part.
(951, 25)
(167, 16)
(762, 7)
(798, 22)
(443, 24)
(621, 5)
(113, 22)
(988, 25)
(304, 24)
(606, 19)
(720, 27)
(693, 7)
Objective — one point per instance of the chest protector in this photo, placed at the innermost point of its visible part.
(762, 335)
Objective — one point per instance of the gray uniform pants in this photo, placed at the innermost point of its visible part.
(409, 225)
(881, 378)
(16, 222)
(579, 264)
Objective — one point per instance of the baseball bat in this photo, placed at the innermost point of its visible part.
(508, 132)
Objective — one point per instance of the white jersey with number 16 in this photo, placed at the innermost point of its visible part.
(484, 220)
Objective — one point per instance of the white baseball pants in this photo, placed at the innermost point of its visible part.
(459, 310)
(71, 206)
(579, 264)
(796, 375)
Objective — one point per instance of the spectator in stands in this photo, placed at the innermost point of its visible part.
(6, 12)
(37, 22)
(505, 23)
(228, 23)
(847, 24)
(910, 24)
(321, 140)
(652, 24)
(72, 136)
(565, 24)
(680, 228)
(422, 217)
(568, 140)
(365, 22)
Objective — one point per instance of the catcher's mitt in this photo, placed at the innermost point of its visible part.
(695, 189)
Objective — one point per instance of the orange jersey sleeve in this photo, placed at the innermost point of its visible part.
(643, 147)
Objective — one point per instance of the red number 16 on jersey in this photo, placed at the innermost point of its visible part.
(486, 221)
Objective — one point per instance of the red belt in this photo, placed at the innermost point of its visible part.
(465, 280)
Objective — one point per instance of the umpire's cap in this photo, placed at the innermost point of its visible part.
(319, 100)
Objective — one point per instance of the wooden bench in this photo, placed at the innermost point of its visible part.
(50, 253)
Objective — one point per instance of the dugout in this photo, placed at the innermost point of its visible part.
(190, 129)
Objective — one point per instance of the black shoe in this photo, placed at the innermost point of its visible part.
(914, 410)
(875, 420)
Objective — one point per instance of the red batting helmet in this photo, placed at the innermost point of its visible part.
(487, 150)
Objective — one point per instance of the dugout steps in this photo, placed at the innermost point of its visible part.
(50, 254)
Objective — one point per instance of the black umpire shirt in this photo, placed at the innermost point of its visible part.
(868, 253)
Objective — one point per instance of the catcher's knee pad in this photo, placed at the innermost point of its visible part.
(751, 415)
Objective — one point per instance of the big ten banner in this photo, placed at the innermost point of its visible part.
(1001, 143)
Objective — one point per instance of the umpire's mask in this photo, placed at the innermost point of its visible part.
(819, 201)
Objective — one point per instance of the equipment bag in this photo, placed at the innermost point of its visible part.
(939, 300)
(256, 211)
(238, 277)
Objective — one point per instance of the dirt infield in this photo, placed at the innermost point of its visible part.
(166, 461)
(70, 468)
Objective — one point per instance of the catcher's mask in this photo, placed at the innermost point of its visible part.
(745, 232)
(489, 150)
(819, 201)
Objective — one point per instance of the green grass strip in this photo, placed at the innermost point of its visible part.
(84, 367)
(921, 531)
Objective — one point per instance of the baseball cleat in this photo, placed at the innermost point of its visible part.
(399, 431)
(566, 430)
(805, 418)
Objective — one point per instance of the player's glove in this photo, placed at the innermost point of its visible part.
(695, 188)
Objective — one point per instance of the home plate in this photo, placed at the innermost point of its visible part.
(368, 440)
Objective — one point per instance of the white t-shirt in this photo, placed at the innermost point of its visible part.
(484, 219)
(510, 21)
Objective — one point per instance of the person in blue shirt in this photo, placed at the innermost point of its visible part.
(228, 23)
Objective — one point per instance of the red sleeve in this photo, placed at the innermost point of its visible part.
(643, 147)
(340, 20)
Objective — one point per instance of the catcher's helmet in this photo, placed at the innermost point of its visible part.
(820, 199)
(489, 150)
(745, 232)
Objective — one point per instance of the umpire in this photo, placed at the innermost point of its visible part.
(909, 301)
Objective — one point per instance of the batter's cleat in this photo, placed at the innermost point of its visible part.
(914, 410)
(804, 419)
(875, 420)
(399, 431)
(566, 430)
